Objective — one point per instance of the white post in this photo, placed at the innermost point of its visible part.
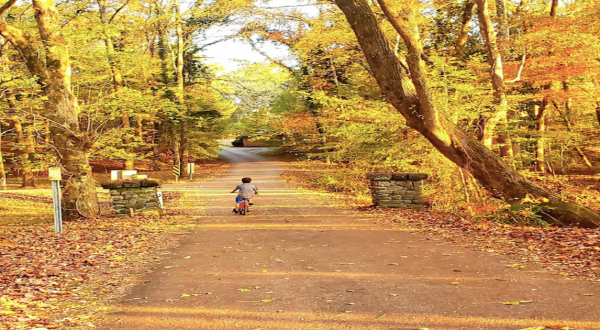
(161, 204)
(190, 170)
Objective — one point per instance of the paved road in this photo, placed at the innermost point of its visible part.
(299, 262)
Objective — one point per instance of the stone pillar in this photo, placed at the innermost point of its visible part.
(138, 196)
(397, 190)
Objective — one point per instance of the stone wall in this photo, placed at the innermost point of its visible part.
(138, 196)
(397, 190)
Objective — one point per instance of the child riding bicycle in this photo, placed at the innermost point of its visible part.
(246, 191)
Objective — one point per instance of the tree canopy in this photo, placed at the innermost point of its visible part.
(502, 91)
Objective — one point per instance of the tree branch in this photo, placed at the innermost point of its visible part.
(117, 12)
(24, 47)
(7, 6)
(410, 34)
(272, 60)
(518, 78)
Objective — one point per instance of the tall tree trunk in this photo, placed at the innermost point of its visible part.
(553, 8)
(407, 28)
(494, 58)
(504, 139)
(72, 145)
(2, 171)
(139, 129)
(27, 179)
(540, 116)
(180, 51)
(503, 30)
(24, 164)
(30, 148)
(540, 113)
(176, 149)
(463, 33)
(566, 117)
(183, 142)
(54, 74)
(170, 126)
(158, 127)
(128, 162)
(494, 174)
(164, 62)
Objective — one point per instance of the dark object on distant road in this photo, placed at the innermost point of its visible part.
(238, 142)
(259, 139)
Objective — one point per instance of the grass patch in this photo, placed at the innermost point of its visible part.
(346, 182)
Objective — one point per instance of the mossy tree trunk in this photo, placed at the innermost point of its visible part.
(53, 71)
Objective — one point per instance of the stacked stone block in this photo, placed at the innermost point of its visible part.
(397, 190)
(138, 196)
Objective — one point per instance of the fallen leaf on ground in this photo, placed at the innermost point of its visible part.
(515, 266)
(515, 303)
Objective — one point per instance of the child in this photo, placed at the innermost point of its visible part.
(246, 190)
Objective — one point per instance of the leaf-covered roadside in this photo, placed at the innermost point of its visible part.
(569, 251)
(54, 282)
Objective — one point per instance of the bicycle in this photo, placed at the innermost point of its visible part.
(244, 206)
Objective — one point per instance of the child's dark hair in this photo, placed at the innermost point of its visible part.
(246, 180)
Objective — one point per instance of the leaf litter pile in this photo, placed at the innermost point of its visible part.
(573, 252)
(53, 281)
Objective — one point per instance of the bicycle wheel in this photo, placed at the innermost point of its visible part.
(243, 208)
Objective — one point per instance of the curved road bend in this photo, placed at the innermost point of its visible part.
(297, 263)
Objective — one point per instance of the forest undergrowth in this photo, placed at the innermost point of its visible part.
(571, 252)
(52, 281)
